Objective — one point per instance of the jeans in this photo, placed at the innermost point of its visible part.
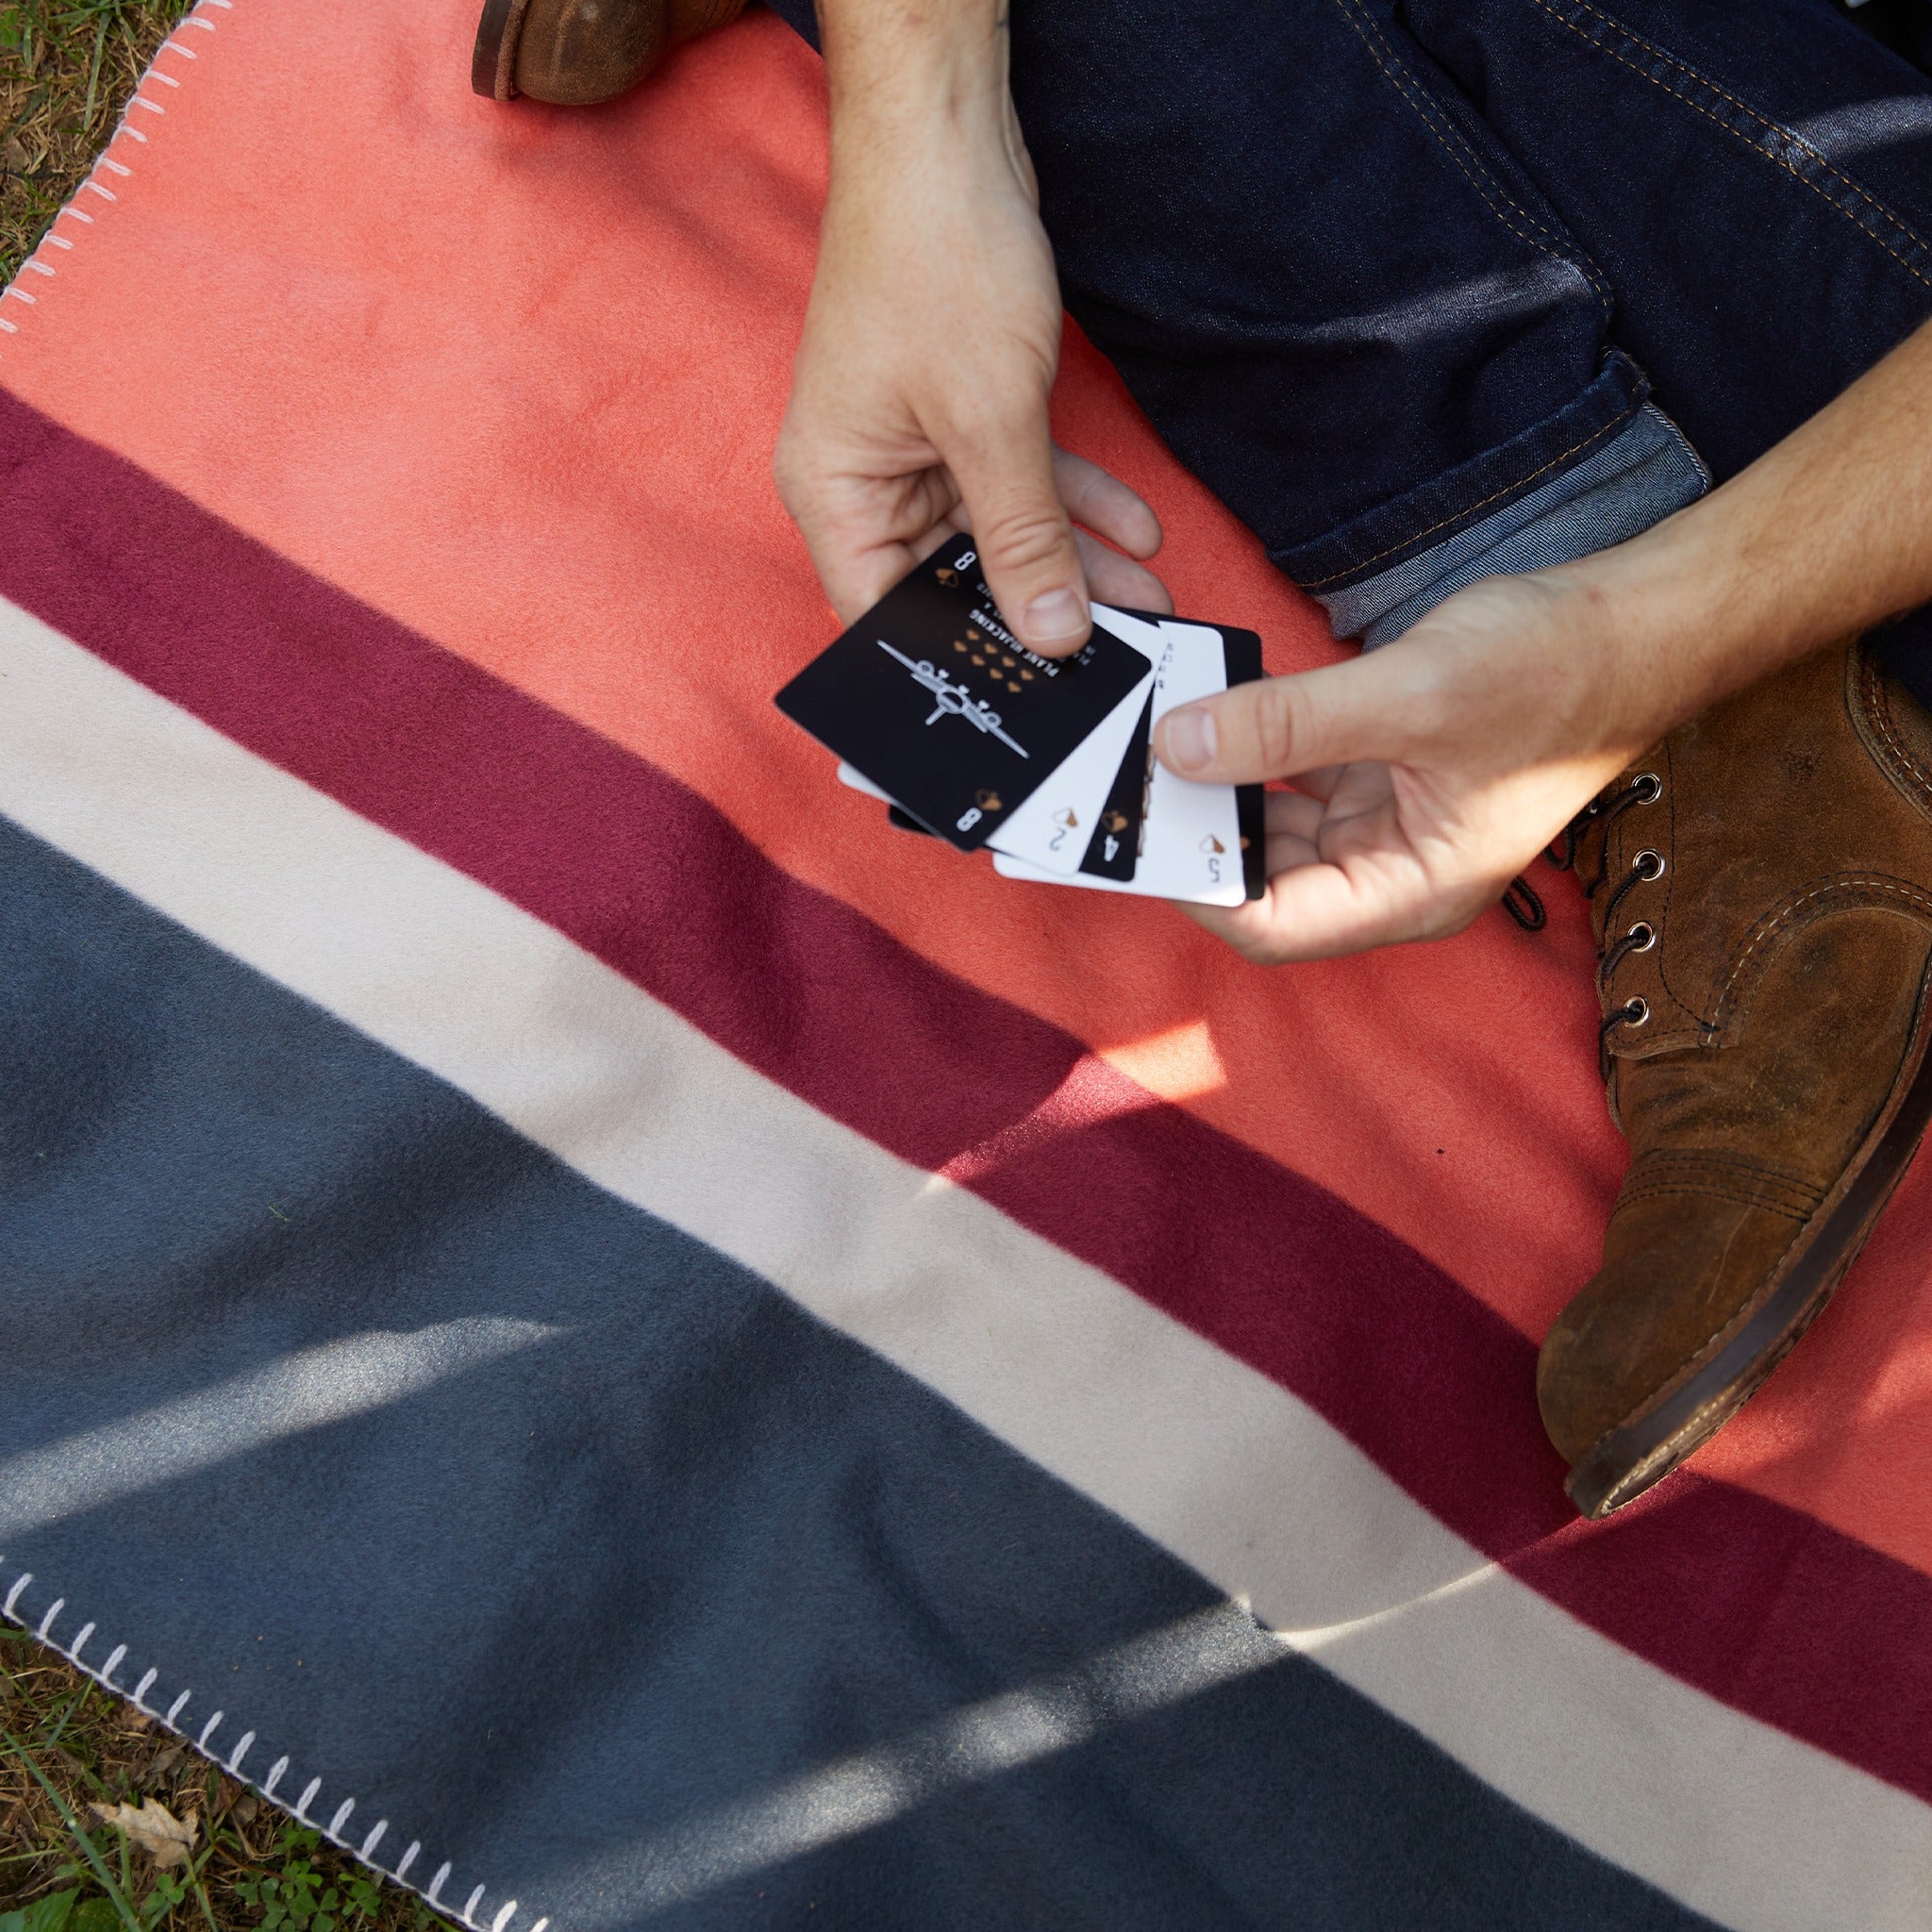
(1429, 290)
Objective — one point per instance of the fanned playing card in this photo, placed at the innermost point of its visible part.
(931, 698)
(1203, 843)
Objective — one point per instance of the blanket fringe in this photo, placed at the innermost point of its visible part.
(174, 1718)
(107, 163)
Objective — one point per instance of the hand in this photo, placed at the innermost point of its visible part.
(918, 400)
(1430, 772)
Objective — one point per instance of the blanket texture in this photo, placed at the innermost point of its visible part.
(645, 1350)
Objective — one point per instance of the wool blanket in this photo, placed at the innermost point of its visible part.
(645, 1350)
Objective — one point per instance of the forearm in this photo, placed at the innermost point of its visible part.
(1823, 535)
(900, 68)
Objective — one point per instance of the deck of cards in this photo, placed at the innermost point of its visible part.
(934, 707)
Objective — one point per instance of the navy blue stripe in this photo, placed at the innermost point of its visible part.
(695, 1544)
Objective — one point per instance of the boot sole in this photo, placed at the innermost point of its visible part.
(1644, 1449)
(494, 63)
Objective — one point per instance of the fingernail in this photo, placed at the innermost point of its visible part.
(1190, 739)
(1054, 617)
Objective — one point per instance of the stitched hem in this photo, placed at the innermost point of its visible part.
(111, 163)
(174, 1717)
(1646, 472)
(1432, 512)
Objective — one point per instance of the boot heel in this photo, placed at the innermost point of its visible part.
(493, 64)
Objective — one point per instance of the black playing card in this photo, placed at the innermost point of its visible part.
(1243, 649)
(1116, 842)
(933, 699)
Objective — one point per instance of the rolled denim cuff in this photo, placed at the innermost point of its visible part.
(1644, 473)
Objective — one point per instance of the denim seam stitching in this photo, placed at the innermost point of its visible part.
(1494, 196)
(1764, 120)
(1689, 448)
(1622, 59)
(1482, 503)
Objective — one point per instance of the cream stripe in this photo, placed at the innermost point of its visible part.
(1209, 1459)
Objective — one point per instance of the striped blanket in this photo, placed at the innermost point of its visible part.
(645, 1350)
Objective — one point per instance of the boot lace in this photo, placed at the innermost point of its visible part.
(1523, 906)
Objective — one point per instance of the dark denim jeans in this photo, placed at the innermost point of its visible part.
(1425, 289)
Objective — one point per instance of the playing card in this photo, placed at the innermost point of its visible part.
(933, 699)
(849, 775)
(1197, 843)
(1115, 847)
(1054, 827)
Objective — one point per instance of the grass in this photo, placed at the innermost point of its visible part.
(66, 66)
(67, 1747)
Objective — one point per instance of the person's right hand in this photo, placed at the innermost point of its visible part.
(918, 400)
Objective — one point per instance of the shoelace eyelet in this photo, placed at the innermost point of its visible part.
(1649, 938)
(1650, 788)
(1635, 1010)
(1648, 864)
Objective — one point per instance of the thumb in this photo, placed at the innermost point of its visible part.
(1280, 727)
(1021, 530)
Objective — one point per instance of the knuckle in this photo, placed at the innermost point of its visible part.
(1279, 720)
(1025, 536)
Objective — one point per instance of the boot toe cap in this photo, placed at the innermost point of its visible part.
(1678, 1269)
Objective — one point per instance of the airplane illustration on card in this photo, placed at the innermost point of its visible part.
(954, 700)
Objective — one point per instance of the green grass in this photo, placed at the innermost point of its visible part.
(66, 66)
(67, 1747)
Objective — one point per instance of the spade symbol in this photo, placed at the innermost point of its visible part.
(1065, 816)
(987, 801)
(947, 574)
(1210, 844)
(1115, 820)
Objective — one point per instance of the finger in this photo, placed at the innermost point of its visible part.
(865, 532)
(1321, 782)
(1317, 910)
(1283, 727)
(1117, 580)
(1004, 467)
(1105, 504)
(1310, 911)
(1292, 814)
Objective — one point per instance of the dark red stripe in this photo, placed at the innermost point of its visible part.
(1758, 1604)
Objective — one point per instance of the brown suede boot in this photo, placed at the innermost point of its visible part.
(1761, 887)
(575, 52)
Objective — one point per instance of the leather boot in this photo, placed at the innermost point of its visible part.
(574, 53)
(1761, 890)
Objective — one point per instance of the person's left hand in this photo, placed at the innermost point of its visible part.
(1430, 772)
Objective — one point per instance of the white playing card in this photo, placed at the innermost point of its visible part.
(852, 776)
(1053, 827)
(1191, 840)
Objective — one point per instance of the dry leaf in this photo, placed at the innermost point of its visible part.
(14, 157)
(245, 1807)
(156, 1829)
(129, 1719)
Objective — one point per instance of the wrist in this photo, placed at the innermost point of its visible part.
(902, 72)
(1680, 621)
